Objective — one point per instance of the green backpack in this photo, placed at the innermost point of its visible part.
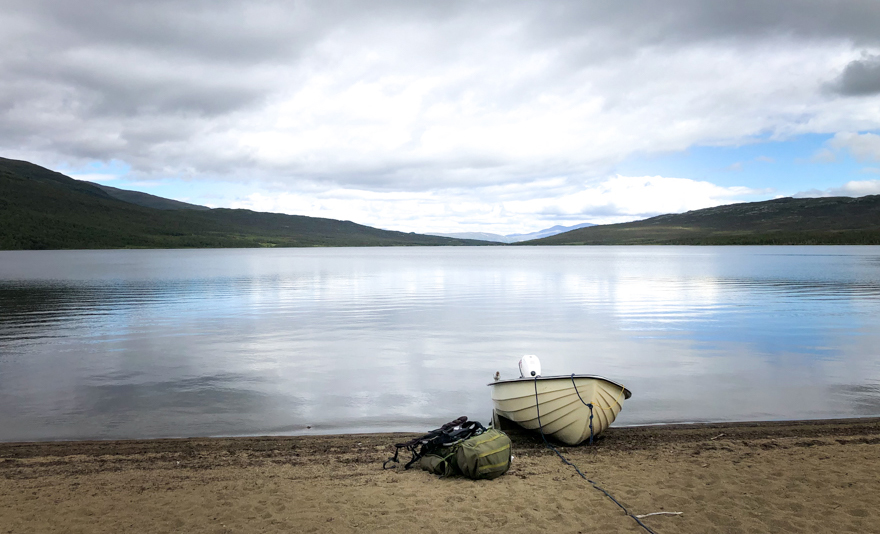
(440, 462)
(458, 447)
(484, 456)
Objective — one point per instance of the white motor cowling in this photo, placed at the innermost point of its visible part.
(529, 366)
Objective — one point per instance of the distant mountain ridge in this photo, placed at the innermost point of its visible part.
(44, 209)
(515, 238)
(783, 221)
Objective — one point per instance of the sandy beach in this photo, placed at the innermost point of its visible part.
(809, 476)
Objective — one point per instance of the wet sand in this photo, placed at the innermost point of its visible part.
(809, 476)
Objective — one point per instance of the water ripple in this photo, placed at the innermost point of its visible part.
(146, 343)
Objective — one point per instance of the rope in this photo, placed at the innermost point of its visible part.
(591, 419)
(616, 401)
(565, 460)
(588, 405)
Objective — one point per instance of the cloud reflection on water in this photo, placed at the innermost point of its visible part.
(172, 343)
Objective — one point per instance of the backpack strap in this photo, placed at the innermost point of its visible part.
(434, 439)
(466, 430)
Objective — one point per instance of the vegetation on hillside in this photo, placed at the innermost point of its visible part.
(42, 209)
(784, 221)
(146, 200)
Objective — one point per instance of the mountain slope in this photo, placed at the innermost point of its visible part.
(784, 221)
(43, 209)
(146, 200)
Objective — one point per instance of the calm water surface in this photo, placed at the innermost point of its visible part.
(149, 343)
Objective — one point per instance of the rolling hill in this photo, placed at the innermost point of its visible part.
(43, 209)
(783, 221)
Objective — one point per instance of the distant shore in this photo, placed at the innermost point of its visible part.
(803, 476)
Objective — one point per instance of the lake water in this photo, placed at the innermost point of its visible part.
(150, 343)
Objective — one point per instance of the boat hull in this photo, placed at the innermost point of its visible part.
(563, 415)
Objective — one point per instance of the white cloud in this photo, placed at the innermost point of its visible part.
(403, 114)
(628, 198)
(415, 97)
(856, 188)
(863, 147)
(824, 155)
(549, 202)
(862, 187)
(483, 120)
(739, 165)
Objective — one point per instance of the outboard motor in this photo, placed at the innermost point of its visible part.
(529, 366)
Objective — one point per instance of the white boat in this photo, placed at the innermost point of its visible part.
(564, 404)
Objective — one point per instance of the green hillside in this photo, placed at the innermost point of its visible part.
(42, 209)
(784, 221)
(146, 200)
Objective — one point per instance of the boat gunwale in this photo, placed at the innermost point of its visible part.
(626, 393)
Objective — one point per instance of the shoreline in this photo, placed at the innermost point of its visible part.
(782, 427)
(769, 424)
(781, 476)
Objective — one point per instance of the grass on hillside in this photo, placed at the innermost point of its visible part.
(785, 221)
(42, 209)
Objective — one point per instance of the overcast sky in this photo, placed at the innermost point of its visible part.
(448, 116)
